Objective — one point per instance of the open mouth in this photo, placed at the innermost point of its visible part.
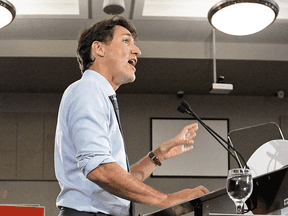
(132, 62)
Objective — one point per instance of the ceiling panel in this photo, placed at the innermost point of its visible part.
(157, 76)
(65, 27)
(45, 9)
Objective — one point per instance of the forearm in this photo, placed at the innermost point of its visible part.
(143, 169)
(114, 179)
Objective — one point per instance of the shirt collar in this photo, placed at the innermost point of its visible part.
(101, 80)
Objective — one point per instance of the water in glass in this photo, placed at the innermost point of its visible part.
(239, 187)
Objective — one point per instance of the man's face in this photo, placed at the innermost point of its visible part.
(121, 56)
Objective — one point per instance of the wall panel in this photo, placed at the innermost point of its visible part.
(8, 145)
(50, 120)
(27, 146)
(30, 146)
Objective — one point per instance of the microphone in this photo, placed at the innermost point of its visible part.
(185, 108)
(188, 109)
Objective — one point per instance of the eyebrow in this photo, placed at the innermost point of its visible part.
(127, 34)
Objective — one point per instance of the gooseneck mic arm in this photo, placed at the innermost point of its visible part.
(185, 108)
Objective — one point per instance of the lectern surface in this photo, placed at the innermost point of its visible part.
(269, 197)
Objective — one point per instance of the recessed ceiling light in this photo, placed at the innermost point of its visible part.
(172, 8)
(47, 7)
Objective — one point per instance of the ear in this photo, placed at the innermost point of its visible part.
(98, 48)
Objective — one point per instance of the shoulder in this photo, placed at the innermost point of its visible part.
(85, 94)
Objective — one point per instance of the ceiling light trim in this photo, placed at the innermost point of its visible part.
(226, 3)
(10, 7)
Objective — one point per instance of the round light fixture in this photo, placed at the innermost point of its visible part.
(243, 17)
(113, 7)
(7, 13)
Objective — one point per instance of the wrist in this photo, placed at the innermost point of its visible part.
(159, 152)
(154, 158)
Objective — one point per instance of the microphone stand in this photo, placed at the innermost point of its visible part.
(185, 108)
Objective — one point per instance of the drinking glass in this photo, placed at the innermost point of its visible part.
(239, 187)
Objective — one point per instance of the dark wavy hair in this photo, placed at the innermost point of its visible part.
(102, 31)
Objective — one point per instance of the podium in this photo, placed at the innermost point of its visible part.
(270, 189)
(270, 185)
(269, 196)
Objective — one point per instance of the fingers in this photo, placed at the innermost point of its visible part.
(191, 128)
(185, 149)
(189, 132)
(185, 195)
(187, 135)
(202, 189)
(199, 191)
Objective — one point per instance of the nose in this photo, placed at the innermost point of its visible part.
(136, 50)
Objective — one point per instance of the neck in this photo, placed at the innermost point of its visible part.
(106, 75)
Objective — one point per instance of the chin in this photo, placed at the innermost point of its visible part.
(126, 80)
(133, 78)
(130, 78)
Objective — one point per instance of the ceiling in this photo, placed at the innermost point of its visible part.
(26, 74)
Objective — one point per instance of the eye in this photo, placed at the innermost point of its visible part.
(126, 41)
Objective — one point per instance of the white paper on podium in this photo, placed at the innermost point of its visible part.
(269, 157)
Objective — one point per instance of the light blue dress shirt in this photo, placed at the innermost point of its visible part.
(88, 135)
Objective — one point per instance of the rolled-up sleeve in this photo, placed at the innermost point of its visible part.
(88, 118)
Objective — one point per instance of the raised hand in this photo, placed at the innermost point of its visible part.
(179, 144)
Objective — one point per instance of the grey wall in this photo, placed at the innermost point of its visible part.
(136, 111)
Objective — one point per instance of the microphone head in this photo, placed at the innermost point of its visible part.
(181, 109)
(185, 104)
